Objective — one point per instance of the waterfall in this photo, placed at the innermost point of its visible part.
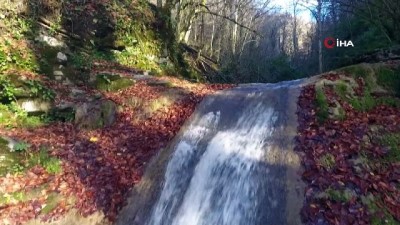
(233, 162)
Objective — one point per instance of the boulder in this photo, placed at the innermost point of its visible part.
(96, 114)
(58, 75)
(61, 57)
(51, 41)
(34, 105)
(108, 110)
(75, 92)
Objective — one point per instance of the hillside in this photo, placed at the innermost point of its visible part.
(349, 124)
(85, 104)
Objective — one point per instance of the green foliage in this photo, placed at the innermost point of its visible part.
(280, 70)
(342, 114)
(102, 55)
(13, 116)
(322, 105)
(42, 158)
(52, 165)
(389, 101)
(55, 26)
(7, 90)
(37, 89)
(21, 146)
(18, 58)
(169, 69)
(356, 71)
(389, 79)
(387, 220)
(51, 203)
(327, 161)
(3, 60)
(392, 140)
(385, 77)
(17, 168)
(82, 61)
(251, 69)
(366, 37)
(379, 215)
(339, 195)
(23, 26)
(363, 103)
(341, 89)
(7, 198)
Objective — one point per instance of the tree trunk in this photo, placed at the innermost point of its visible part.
(294, 34)
(319, 27)
(212, 37)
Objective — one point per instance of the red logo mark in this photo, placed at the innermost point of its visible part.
(330, 42)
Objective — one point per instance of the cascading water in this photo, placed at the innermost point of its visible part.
(231, 165)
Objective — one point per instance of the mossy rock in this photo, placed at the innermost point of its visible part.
(94, 115)
(108, 110)
(108, 82)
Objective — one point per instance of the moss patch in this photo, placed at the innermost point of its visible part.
(389, 79)
(108, 82)
(356, 71)
(392, 140)
(12, 116)
(340, 195)
(377, 218)
(327, 161)
(13, 198)
(9, 160)
(322, 105)
(52, 202)
(363, 103)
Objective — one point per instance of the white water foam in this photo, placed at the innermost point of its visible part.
(223, 188)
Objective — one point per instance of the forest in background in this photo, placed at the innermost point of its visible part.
(254, 41)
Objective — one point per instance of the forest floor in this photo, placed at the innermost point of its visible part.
(97, 167)
(349, 141)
